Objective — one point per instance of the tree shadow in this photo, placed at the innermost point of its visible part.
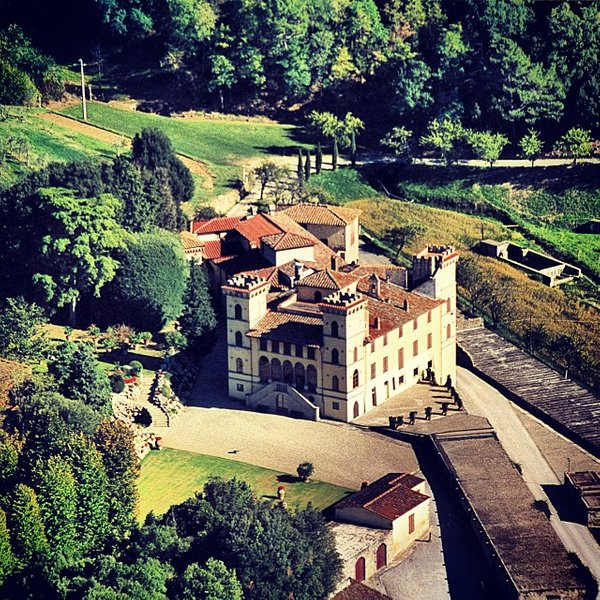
(287, 478)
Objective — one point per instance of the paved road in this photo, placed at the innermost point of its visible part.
(483, 400)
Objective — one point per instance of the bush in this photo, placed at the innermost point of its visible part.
(15, 86)
(175, 339)
(136, 367)
(305, 470)
(117, 383)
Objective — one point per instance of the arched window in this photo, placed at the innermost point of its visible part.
(276, 370)
(355, 354)
(238, 312)
(238, 339)
(311, 377)
(359, 569)
(335, 356)
(355, 379)
(356, 412)
(335, 329)
(318, 296)
(263, 369)
(381, 556)
(335, 383)
(288, 372)
(239, 365)
(299, 376)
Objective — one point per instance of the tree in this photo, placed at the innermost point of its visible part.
(22, 334)
(80, 377)
(115, 442)
(26, 527)
(214, 581)
(76, 250)
(305, 470)
(352, 126)
(175, 340)
(576, 143)
(329, 126)
(300, 167)
(266, 173)
(398, 141)
(318, 159)
(57, 500)
(15, 86)
(150, 282)
(486, 145)
(444, 137)
(198, 320)
(223, 76)
(398, 237)
(307, 166)
(7, 558)
(531, 145)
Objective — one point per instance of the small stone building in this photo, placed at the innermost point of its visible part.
(584, 487)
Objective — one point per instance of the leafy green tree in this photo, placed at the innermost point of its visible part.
(22, 334)
(80, 377)
(150, 283)
(329, 126)
(486, 145)
(7, 558)
(305, 470)
(175, 340)
(57, 499)
(115, 442)
(398, 141)
(91, 483)
(191, 22)
(28, 537)
(214, 581)
(398, 237)
(353, 125)
(531, 145)
(576, 143)
(76, 251)
(9, 459)
(125, 18)
(198, 320)
(444, 136)
(223, 76)
(15, 86)
(266, 173)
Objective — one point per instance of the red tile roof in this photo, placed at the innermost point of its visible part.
(288, 327)
(328, 279)
(391, 496)
(212, 250)
(254, 228)
(321, 214)
(359, 591)
(217, 225)
(286, 241)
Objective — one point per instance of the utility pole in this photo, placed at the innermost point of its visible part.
(83, 106)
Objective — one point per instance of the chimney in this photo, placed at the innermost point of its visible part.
(363, 485)
(374, 286)
(298, 267)
(334, 262)
(376, 323)
(405, 306)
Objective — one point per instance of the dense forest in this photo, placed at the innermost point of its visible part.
(500, 65)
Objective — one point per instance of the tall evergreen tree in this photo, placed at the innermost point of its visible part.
(300, 167)
(307, 166)
(335, 155)
(318, 158)
(7, 558)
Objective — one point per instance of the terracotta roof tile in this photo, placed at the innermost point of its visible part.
(391, 496)
(212, 249)
(189, 241)
(254, 228)
(286, 241)
(359, 591)
(321, 214)
(217, 225)
(241, 263)
(328, 279)
(287, 327)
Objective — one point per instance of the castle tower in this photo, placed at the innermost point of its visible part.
(434, 275)
(245, 305)
(345, 326)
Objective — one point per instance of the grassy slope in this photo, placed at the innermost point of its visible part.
(222, 144)
(49, 142)
(171, 476)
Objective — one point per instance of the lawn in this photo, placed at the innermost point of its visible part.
(48, 142)
(342, 185)
(223, 144)
(171, 476)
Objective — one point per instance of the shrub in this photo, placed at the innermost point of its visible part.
(117, 383)
(305, 470)
(136, 367)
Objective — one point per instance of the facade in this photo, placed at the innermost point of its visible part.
(338, 343)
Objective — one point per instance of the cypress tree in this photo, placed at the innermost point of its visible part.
(7, 558)
(353, 148)
(307, 166)
(300, 167)
(334, 155)
(319, 158)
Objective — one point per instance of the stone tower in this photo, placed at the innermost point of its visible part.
(245, 306)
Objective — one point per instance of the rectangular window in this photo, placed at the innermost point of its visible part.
(429, 317)
(415, 347)
(298, 350)
(263, 344)
(400, 331)
(310, 353)
(429, 341)
(373, 346)
(335, 405)
(401, 358)
(401, 380)
(411, 523)
(385, 364)
(416, 371)
(240, 387)
(385, 340)
(393, 383)
(275, 347)
(448, 304)
(287, 348)
(415, 323)
(373, 370)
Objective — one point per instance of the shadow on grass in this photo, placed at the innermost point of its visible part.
(287, 478)
(150, 363)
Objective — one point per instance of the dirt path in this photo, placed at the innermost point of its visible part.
(196, 167)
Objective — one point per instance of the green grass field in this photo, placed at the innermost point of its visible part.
(222, 144)
(343, 185)
(47, 142)
(171, 476)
